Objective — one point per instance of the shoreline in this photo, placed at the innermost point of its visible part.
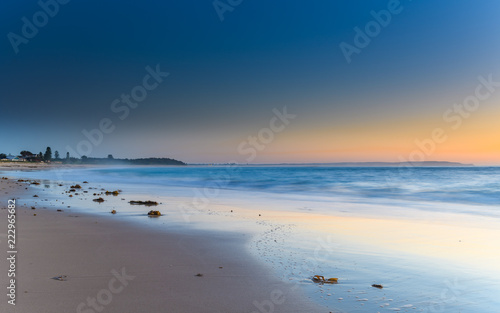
(91, 249)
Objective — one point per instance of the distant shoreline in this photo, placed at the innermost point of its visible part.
(352, 164)
(429, 164)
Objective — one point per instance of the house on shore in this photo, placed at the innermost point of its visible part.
(13, 158)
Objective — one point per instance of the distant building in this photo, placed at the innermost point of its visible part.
(14, 158)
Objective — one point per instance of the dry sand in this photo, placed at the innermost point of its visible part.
(130, 268)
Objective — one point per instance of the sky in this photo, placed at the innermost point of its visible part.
(256, 81)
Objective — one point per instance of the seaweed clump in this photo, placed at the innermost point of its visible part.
(154, 213)
(146, 203)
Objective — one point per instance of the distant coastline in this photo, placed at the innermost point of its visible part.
(173, 162)
(393, 164)
(353, 164)
(28, 157)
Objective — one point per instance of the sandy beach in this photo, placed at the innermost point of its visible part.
(107, 264)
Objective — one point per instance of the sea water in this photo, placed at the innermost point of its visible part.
(472, 185)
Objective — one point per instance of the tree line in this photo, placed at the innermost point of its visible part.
(47, 157)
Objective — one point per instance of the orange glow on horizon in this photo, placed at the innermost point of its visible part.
(475, 141)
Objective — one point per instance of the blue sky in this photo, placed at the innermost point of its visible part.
(226, 77)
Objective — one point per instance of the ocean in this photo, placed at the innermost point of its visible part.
(468, 185)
